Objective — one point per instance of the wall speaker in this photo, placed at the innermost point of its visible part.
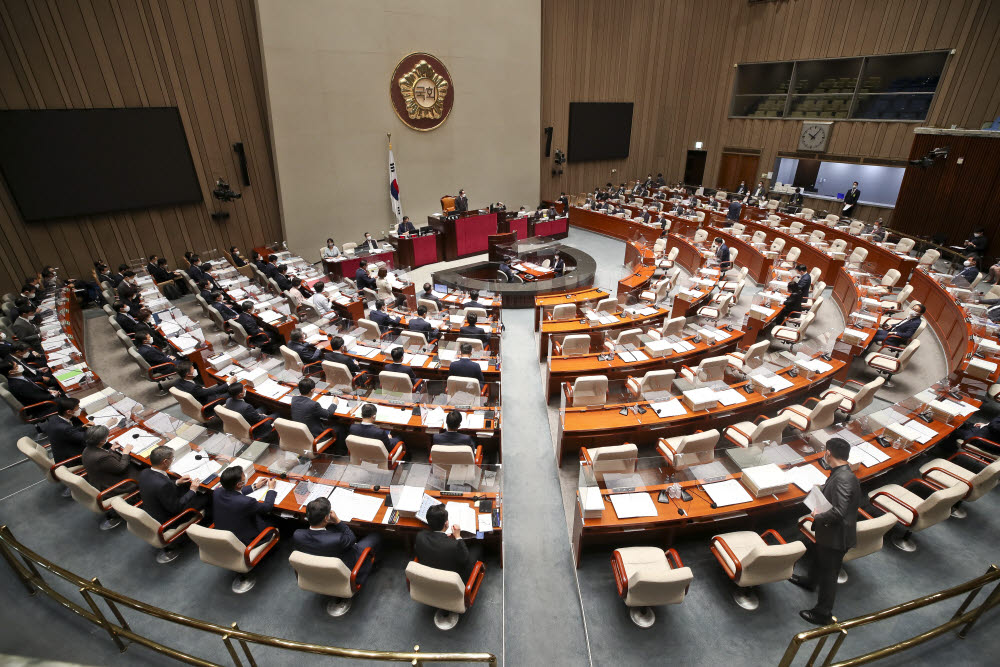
(548, 141)
(244, 174)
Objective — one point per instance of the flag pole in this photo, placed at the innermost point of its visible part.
(389, 136)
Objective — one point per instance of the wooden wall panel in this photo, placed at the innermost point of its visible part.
(202, 57)
(689, 48)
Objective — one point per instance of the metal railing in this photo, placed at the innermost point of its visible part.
(26, 564)
(964, 616)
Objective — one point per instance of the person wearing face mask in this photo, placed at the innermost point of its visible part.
(67, 434)
(967, 274)
(461, 202)
(835, 530)
(369, 243)
(25, 391)
(899, 334)
(976, 244)
(331, 251)
(237, 258)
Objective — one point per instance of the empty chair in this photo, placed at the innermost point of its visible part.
(855, 227)
(750, 561)
(650, 383)
(373, 451)
(944, 473)
(369, 330)
(791, 258)
(777, 245)
(587, 390)
(738, 228)
(444, 590)
(718, 310)
(223, 549)
(98, 502)
(564, 311)
(795, 228)
(668, 261)
(162, 536)
(758, 432)
(608, 305)
(649, 577)
(870, 536)
(806, 213)
(751, 358)
(820, 415)
(890, 278)
(412, 338)
(889, 365)
(235, 425)
(758, 238)
(349, 247)
(574, 345)
(837, 249)
(611, 460)
(816, 236)
(660, 290)
(732, 284)
(709, 369)
(831, 219)
(700, 236)
(904, 245)
(853, 402)
(626, 337)
(431, 306)
(328, 575)
(894, 302)
(858, 255)
(685, 450)
(928, 258)
(660, 245)
(464, 385)
(398, 383)
(916, 513)
(295, 437)
(190, 406)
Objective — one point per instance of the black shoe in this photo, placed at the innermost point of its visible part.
(802, 582)
(815, 618)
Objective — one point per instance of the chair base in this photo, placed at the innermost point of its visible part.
(164, 556)
(338, 606)
(904, 543)
(446, 620)
(842, 576)
(243, 583)
(642, 616)
(746, 598)
(110, 523)
(958, 512)
(66, 493)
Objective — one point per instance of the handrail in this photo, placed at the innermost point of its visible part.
(32, 579)
(960, 618)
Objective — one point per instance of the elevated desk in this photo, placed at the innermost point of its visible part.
(413, 251)
(346, 266)
(464, 235)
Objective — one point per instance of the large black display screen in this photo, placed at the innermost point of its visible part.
(599, 130)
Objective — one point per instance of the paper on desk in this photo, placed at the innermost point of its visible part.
(271, 389)
(426, 502)
(924, 433)
(317, 491)
(342, 503)
(671, 408)
(730, 397)
(447, 355)
(483, 365)
(461, 515)
(281, 488)
(816, 501)
(626, 356)
(138, 438)
(486, 523)
(366, 507)
(434, 418)
(873, 455)
(806, 476)
(473, 421)
(729, 492)
(633, 505)
(326, 400)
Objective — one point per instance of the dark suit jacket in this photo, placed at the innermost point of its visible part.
(466, 368)
(435, 549)
(201, 393)
(65, 438)
(336, 540)
(249, 412)
(469, 331)
(851, 197)
(236, 512)
(196, 273)
(991, 431)
(128, 323)
(722, 254)
(371, 431)
(420, 325)
(307, 351)
(362, 279)
(161, 275)
(837, 528)
(224, 310)
(429, 297)
(453, 438)
(805, 284)
(404, 369)
(127, 291)
(461, 204)
(106, 468)
(161, 497)
(758, 193)
(249, 323)
(906, 328)
(310, 413)
(283, 282)
(734, 211)
(271, 269)
(26, 332)
(370, 245)
(559, 267)
(795, 200)
(153, 356)
(238, 261)
(968, 274)
(742, 190)
(384, 320)
(341, 358)
(405, 228)
(27, 392)
(473, 304)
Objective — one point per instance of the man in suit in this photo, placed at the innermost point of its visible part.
(397, 365)
(281, 277)
(851, 198)
(107, 466)
(338, 357)
(29, 292)
(428, 294)
(968, 273)
(224, 310)
(128, 323)
(804, 279)
(795, 202)
(188, 383)
(470, 330)
(660, 181)
(441, 546)
(361, 277)
(271, 268)
(33, 366)
(722, 254)
(384, 320)
(369, 244)
(307, 411)
(759, 192)
(792, 303)
(645, 216)
(308, 353)
(735, 208)
(473, 301)
(237, 403)
(65, 430)
(164, 498)
(238, 260)
(835, 530)
(205, 291)
(505, 269)
(420, 325)
(153, 355)
(368, 429)
(234, 510)
(989, 430)
(263, 338)
(461, 202)
(900, 333)
(559, 265)
(451, 436)
(23, 328)
(877, 231)
(328, 536)
(465, 367)
(157, 268)
(406, 227)
(320, 301)
(128, 288)
(742, 190)
(25, 391)
(976, 244)
(637, 189)
(564, 200)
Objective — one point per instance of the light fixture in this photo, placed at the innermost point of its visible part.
(698, 145)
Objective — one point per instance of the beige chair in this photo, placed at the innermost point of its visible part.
(296, 437)
(751, 358)
(855, 227)
(758, 432)
(328, 575)
(673, 327)
(916, 513)
(904, 245)
(777, 245)
(659, 246)
(649, 577)
(397, 383)
(687, 450)
(668, 261)
(889, 365)
(750, 561)
(222, 549)
(858, 255)
(610, 460)
(455, 455)
(806, 213)
(587, 390)
(853, 402)
(660, 291)
(373, 451)
(708, 369)
(456, 385)
(431, 306)
(928, 259)
(564, 311)
(820, 415)
(444, 590)
(870, 536)
(738, 228)
(608, 305)
(235, 425)
(838, 249)
(626, 337)
(792, 335)
(203, 414)
(791, 258)
(816, 236)
(574, 345)
(410, 339)
(651, 382)
(890, 278)
(162, 536)
(719, 310)
(795, 228)
(41, 458)
(733, 284)
(98, 502)
(294, 362)
(339, 376)
(758, 238)
(831, 219)
(349, 248)
(369, 330)
(700, 236)
(477, 345)
(944, 473)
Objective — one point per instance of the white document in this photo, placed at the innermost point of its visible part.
(923, 433)
(473, 421)
(872, 452)
(269, 316)
(816, 501)
(640, 356)
(138, 438)
(730, 397)
(317, 491)
(626, 356)
(366, 507)
(462, 515)
(671, 408)
(729, 492)
(342, 503)
(426, 503)
(326, 400)
(271, 389)
(633, 505)
(281, 489)
(486, 523)
(806, 477)
(411, 499)
(434, 418)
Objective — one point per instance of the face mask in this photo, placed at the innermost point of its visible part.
(914, 313)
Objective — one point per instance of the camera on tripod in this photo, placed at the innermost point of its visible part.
(223, 192)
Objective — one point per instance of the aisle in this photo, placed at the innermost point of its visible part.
(542, 612)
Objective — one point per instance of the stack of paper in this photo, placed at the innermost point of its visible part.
(671, 408)
(281, 488)
(729, 492)
(472, 420)
(462, 515)
(806, 476)
(271, 389)
(633, 505)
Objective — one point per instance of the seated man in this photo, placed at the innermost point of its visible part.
(205, 291)
(465, 366)
(220, 305)
(428, 294)
(397, 365)
(319, 300)
(237, 403)
(188, 382)
(470, 330)
(24, 329)
(420, 325)
(505, 269)
(967, 274)
(25, 391)
(559, 265)
(106, 466)
(451, 436)
(368, 429)
(128, 323)
(258, 336)
(405, 227)
(384, 320)
(328, 536)
(281, 277)
(33, 366)
(152, 354)
(338, 357)
(307, 411)
(66, 430)
(308, 353)
(235, 511)
(899, 334)
(164, 498)
(473, 301)
(441, 546)
(362, 278)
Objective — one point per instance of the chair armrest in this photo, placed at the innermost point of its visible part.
(674, 558)
(736, 561)
(184, 516)
(71, 461)
(23, 414)
(585, 456)
(312, 368)
(475, 580)
(802, 528)
(260, 423)
(864, 513)
(116, 490)
(322, 436)
(357, 377)
(479, 455)
(367, 553)
(621, 578)
(265, 535)
(420, 381)
(946, 473)
(913, 511)
(977, 458)
(557, 348)
(922, 482)
(989, 443)
(771, 532)
(165, 373)
(734, 428)
(568, 389)
(397, 453)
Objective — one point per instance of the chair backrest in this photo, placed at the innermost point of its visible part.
(431, 306)
(413, 338)
(905, 293)
(125, 340)
(937, 506)
(614, 460)
(674, 326)
(608, 305)
(349, 247)
(858, 255)
(838, 245)
(326, 575)
(929, 257)
(189, 404)
(477, 345)
(793, 254)
(824, 412)
(712, 368)
(143, 364)
(733, 254)
(367, 449)
(832, 217)
(905, 245)
(817, 235)
(866, 394)
(564, 311)
(337, 375)
(769, 430)
(659, 245)
(441, 589)
(480, 313)
(696, 448)
(38, 455)
(239, 333)
(651, 585)
(891, 278)
(908, 352)
(452, 455)
(629, 336)
(657, 381)
(672, 254)
(855, 227)
(399, 383)
(700, 236)
(795, 227)
(466, 385)
(870, 534)
(976, 281)
(758, 237)
(138, 521)
(294, 436)
(81, 490)
(369, 330)
(576, 345)
(777, 245)
(985, 480)
(807, 213)
(590, 390)
(292, 359)
(219, 547)
(755, 353)
(817, 302)
(738, 228)
(770, 563)
(233, 423)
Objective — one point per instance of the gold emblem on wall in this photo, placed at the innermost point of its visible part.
(421, 91)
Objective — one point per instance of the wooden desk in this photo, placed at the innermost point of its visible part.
(576, 297)
(945, 316)
(562, 328)
(348, 266)
(758, 266)
(414, 251)
(465, 235)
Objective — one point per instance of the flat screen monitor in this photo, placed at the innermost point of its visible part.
(61, 163)
(599, 131)
(441, 289)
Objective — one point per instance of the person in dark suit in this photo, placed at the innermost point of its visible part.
(976, 244)
(259, 261)
(900, 333)
(368, 429)
(146, 322)
(238, 260)
(188, 382)
(397, 365)
(25, 391)
(328, 536)
(795, 202)
(361, 277)
(564, 200)
(461, 202)
(742, 190)
(308, 353)
(428, 294)
(645, 216)
(338, 357)
(735, 207)
(851, 198)
(792, 304)
(24, 330)
(153, 355)
(441, 546)
(989, 430)
(470, 330)
(164, 498)
(235, 511)
(128, 323)
(271, 268)
(32, 364)
(406, 227)
(307, 411)
(194, 271)
(967, 274)
(473, 301)
(505, 269)
(722, 254)
(877, 231)
(835, 530)
(224, 310)
(465, 367)
(281, 277)
(369, 244)
(65, 430)
(237, 403)
(205, 291)
(804, 279)
(419, 324)
(384, 320)
(29, 292)
(451, 436)
(263, 338)
(660, 181)
(128, 288)
(107, 466)
(759, 192)
(163, 277)
(559, 264)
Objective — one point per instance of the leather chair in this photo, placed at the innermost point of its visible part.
(890, 278)
(413, 338)
(928, 259)
(774, 251)
(444, 590)
(349, 248)
(339, 376)
(328, 575)
(659, 246)
(889, 365)
(751, 358)
(455, 455)
(807, 214)
(203, 414)
(477, 345)
(398, 383)
(296, 437)
(853, 402)
(456, 385)
(685, 450)
(944, 473)
(672, 327)
(791, 258)
(240, 334)
(660, 291)
(758, 238)
(837, 249)
(35, 414)
(719, 310)
(858, 255)
(668, 261)
(156, 374)
(916, 513)
(163, 536)
(431, 306)
(700, 236)
(651, 382)
(574, 345)
(626, 337)
(587, 390)
(750, 561)
(871, 532)
(649, 577)
(757, 432)
(235, 425)
(447, 204)
(611, 460)
(820, 415)
(564, 311)
(855, 227)
(373, 451)
(369, 330)
(708, 369)
(222, 549)
(733, 284)
(608, 305)
(904, 245)
(294, 362)
(480, 313)
(98, 502)
(792, 335)
(41, 458)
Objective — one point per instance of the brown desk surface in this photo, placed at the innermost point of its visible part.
(574, 326)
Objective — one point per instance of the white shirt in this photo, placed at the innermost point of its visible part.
(331, 252)
(321, 303)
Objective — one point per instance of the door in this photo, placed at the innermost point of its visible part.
(736, 167)
(694, 168)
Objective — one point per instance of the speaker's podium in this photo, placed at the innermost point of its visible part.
(462, 234)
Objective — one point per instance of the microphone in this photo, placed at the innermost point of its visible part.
(711, 503)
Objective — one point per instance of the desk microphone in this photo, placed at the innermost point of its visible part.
(710, 502)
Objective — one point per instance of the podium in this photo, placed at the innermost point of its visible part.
(413, 251)
(463, 234)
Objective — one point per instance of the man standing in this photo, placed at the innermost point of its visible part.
(735, 208)
(722, 254)
(851, 198)
(835, 530)
(461, 202)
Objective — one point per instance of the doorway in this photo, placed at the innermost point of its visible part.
(736, 167)
(694, 168)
